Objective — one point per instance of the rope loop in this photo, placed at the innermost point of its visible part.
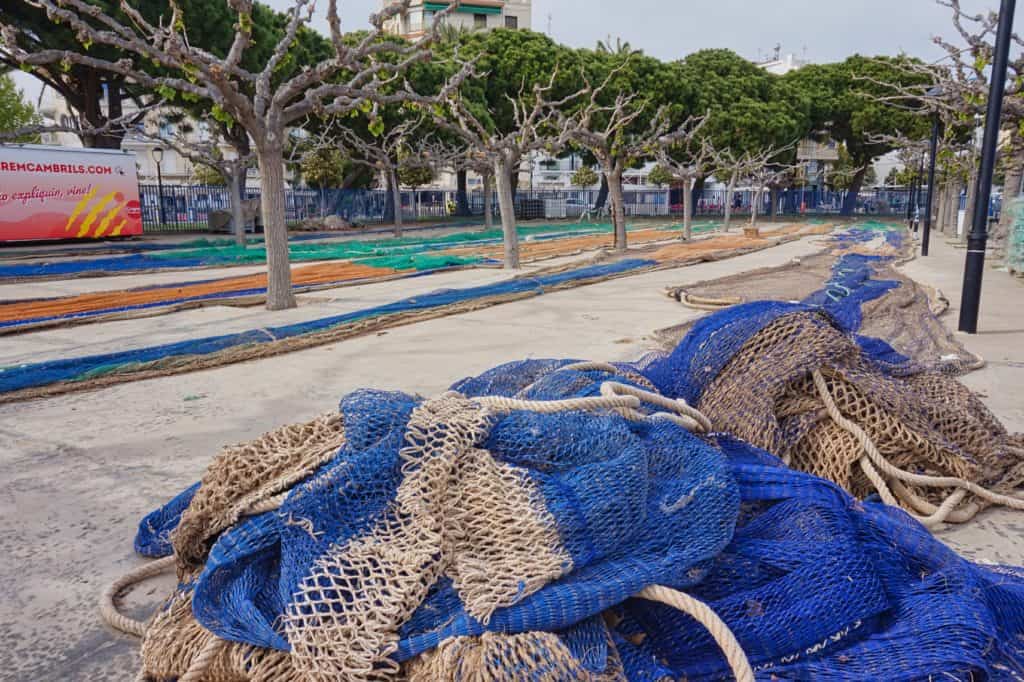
(712, 622)
(876, 467)
(693, 418)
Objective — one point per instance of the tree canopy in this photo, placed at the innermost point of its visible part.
(15, 112)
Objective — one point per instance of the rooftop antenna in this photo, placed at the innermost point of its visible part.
(549, 23)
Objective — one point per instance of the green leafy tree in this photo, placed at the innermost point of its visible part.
(415, 174)
(15, 112)
(845, 172)
(207, 175)
(660, 176)
(584, 177)
(748, 109)
(845, 101)
(323, 168)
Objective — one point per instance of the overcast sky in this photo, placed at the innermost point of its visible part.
(820, 30)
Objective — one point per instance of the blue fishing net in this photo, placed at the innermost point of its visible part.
(815, 584)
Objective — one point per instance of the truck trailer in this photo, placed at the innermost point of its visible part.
(66, 193)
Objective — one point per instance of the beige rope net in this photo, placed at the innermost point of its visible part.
(457, 512)
(796, 388)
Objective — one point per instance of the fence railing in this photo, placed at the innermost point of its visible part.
(187, 208)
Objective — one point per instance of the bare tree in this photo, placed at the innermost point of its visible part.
(689, 155)
(735, 167)
(383, 154)
(364, 73)
(447, 153)
(764, 176)
(613, 135)
(208, 150)
(955, 90)
(534, 116)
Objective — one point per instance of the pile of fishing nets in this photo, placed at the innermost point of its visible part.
(513, 528)
(568, 520)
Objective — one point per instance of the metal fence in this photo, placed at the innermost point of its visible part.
(188, 208)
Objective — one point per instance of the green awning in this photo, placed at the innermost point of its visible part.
(469, 9)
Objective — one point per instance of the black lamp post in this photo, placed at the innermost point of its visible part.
(158, 157)
(974, 267)
(926, 235)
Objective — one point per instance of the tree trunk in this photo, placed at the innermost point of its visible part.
(461, 194)
(618, 208)
(687, 208)
(774, 193)
(237, 214)
(850, 200)
(940, 214)
(513, 180)
(952, 207)
(1011, 190)
(396, 199)
(730, 190)
(972, 195)
(507, 206)
(488, 201)
(602, 194)
(279, 273)
(754, 201)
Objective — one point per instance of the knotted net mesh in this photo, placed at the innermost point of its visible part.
(449, 539)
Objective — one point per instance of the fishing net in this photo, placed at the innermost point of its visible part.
(806, 383)
(558, 519)
(921, 422)
(490, 533)
(1015, 239)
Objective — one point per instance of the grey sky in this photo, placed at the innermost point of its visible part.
(823, 30)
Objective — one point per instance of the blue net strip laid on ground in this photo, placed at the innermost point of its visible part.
(77, 369)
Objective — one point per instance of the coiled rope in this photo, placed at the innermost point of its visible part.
(875, 465)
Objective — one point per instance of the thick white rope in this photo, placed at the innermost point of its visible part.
(716, 627)
(708, 303)
(700, 422)
(108, 600)
(502, 405)
(873, 459)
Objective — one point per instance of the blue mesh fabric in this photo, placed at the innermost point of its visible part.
(713, 340)
(816, 585)
(82, 368)
(153, 538)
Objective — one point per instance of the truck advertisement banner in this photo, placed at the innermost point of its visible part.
(61, 193)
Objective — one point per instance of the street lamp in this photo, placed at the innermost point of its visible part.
(974, 266)
(927, 233)
(158, 157)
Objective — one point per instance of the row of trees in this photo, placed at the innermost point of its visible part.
(373, 104)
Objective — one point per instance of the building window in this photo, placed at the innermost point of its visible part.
(511, 22)
(479, 21)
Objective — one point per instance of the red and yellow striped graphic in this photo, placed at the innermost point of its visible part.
(97, 208)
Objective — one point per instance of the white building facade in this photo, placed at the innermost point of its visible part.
(478, 15)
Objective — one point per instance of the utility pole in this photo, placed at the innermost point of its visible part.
(974, 268)
(926, 235)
